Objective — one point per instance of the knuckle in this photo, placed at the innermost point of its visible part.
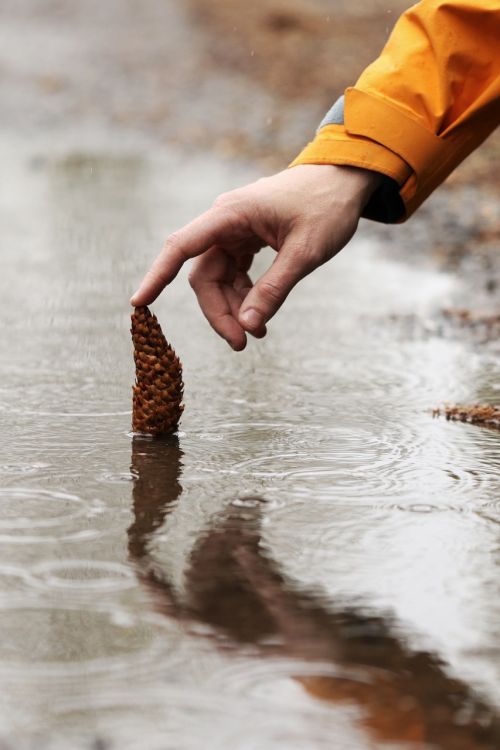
(307, 259)
(308, 253)
(235, 203)
(271, 292)
(223, 200)
(172, 242)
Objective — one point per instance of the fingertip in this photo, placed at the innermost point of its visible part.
(236, 338)
(234, 335)
(252, 321)
(260, 333)
(140, 299)
(144, 296)
(238, 345)
(140, 296)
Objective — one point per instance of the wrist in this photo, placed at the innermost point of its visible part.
(346, 185)
(360, 184)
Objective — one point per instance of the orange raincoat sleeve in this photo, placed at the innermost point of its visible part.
(430, 99)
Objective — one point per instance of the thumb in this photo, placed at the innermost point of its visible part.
(270, 291)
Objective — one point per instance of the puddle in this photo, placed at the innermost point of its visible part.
(313, 556)
(313, 543)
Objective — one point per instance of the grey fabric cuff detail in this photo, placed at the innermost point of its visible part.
(386, 204)
(335, 115)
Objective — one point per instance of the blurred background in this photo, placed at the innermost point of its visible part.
(313, 559)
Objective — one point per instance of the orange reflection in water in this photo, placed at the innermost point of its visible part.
(236, 588)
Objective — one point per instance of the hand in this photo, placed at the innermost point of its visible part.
(306, 214)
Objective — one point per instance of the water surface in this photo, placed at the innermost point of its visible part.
(312, 559)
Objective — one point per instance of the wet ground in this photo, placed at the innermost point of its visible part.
(313, 561)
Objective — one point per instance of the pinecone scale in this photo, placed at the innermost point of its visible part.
(158, 389)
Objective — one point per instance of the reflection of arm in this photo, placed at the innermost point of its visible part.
(232, 586)
(430, 99)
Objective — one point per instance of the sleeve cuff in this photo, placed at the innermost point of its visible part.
(334, 145)
(384, 138)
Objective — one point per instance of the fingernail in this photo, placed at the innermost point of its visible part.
(132, 299)
(251, 318)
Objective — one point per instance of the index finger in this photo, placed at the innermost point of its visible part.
(192, 240)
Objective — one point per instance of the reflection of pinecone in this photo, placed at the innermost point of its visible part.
(157, 394)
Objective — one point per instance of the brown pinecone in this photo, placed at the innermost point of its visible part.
(481, 414)
(157, 394)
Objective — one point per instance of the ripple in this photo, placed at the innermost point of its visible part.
(249, 502)
(39, 508)
(79, 576)
(126, 476)
(22, 469)
(13, 576)
(41, 639)
(23, 511)
(287, 716)
(71, 397)
(398, 455)
(424, 508)
(211, 437)
(256, 677)
(90, 414)
(337, 461)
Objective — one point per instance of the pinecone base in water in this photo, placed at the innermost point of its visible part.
(158, 389)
